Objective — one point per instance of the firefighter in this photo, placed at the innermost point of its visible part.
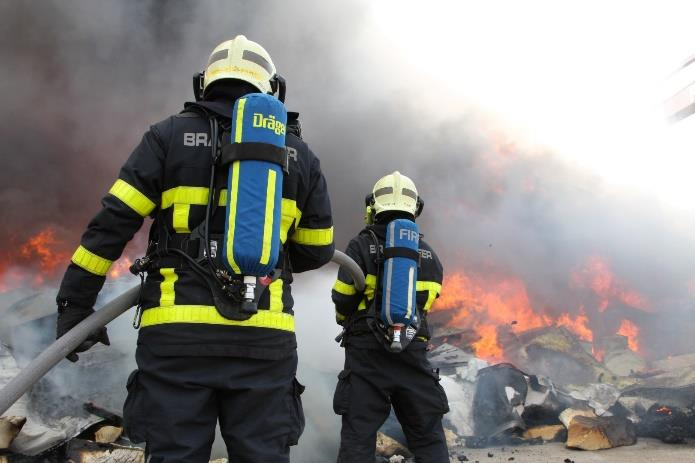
(374, 378)
(195, 366)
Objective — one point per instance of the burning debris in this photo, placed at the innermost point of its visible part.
(580, 401)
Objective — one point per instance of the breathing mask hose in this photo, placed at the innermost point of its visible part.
(214, 127)
(57, 351)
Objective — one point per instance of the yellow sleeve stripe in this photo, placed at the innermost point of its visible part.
(339, 317)
(428, 286)
(132, 197)
(344, 288)
(91, 262)
(313, 236)
(433, 289)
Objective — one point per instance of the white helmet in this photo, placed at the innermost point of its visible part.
(242, 59)
(395, 192)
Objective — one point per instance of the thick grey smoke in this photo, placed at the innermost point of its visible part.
(84, 79)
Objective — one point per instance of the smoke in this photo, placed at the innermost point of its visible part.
(86, 79)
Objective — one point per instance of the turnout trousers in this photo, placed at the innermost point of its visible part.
(174, 403)
(373, 380)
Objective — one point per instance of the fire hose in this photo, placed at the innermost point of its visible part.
(50, 357)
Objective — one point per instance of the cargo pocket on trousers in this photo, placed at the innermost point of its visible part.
(443, 400)
(134, 414)
(341, 398)
(297, 412)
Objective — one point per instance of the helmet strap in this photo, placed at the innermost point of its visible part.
(278, 85)
(370, 212)
(198, 79)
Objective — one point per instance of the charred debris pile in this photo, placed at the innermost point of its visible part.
(550, 388)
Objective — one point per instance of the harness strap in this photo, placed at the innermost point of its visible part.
(254, 152)
(404, 252)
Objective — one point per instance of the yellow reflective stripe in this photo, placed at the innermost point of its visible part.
(196, 195)
(428, 286)
(232, 217)
(288, 213)
(313, 236)
(180, 218)
(239, 120)
(344, 288)
(209, 315)
(275, 289)
(339, 317)
(166, 287)
(132, 198)
(433, 290)
(369, 286)
(90, 262)
(268, 225)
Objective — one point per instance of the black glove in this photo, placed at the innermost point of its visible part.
(68, 318)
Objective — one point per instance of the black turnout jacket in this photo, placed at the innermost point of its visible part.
(167, 178)
(349, 302)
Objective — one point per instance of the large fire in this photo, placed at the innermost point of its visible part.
(41, 259)
(596, 275)
(485, 305)
(37, 260)
(488, 305)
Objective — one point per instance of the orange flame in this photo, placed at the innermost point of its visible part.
(578, 325)
(486, 305)
(596, 275)
(664, 410)
(120, 267)
(44, 247)
(631, 331)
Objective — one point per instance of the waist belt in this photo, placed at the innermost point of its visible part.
(209, 315)
(194, 248)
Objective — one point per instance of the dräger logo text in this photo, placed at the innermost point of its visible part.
(270, 123)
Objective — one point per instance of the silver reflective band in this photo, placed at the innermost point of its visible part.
(409, 193)
(383, 191)
(218, 55)
(258, 59)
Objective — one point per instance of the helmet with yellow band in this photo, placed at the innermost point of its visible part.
(393, 192)
(241, 59)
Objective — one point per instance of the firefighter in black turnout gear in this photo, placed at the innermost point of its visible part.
(376, 376)
(196, 363)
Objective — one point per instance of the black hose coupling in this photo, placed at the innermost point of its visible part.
(140, 265)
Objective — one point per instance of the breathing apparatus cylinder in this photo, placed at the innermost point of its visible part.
(257, 161)
(398, 301)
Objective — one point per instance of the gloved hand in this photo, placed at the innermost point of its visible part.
(68, 318)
